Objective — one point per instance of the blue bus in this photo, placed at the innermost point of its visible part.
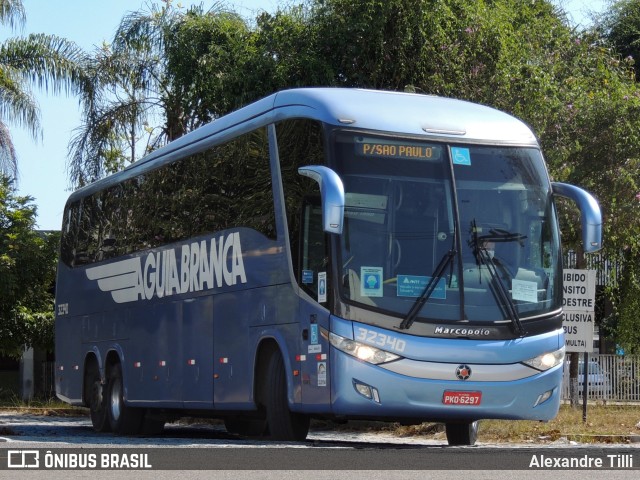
(320, 253)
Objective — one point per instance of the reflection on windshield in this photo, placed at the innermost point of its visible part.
(400, 225)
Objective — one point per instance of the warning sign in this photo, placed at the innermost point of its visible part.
(578, 300)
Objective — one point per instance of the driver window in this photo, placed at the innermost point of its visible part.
(313, 250)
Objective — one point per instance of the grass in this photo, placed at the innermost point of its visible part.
(9, 401)
(604, 424)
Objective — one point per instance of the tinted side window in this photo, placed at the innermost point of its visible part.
(223, 187)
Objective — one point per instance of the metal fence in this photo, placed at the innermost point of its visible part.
(46, 387)
(607, 272)
(610, 378)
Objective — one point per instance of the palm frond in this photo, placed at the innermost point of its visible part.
(17, 103)
(144, 31)
(8, 156)
(47, 61)
(108, 128)
(12, 13)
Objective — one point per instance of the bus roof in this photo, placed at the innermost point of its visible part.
(426, 116)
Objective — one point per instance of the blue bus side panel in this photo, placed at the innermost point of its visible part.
(197, 346)
(68, 381)
(151, 353)
(168, 355)
(233, 363)
(268, 314)
(166, 345)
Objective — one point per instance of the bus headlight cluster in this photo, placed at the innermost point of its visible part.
(361, 351)
(546, 360)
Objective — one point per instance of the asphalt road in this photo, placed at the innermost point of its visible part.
(68, 448)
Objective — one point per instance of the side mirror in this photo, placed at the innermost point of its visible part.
(590, 215)
(332, 193)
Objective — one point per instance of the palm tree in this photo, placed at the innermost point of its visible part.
(127, 84)
(139, 98)
(46, 61)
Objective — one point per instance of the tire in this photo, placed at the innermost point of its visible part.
(283, 424)
(95, 398)
(245, 427)
(123, 420)
(462, 433)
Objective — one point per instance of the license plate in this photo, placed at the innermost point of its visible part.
(461, 398)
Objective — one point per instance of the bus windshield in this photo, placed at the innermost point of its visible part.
(446, 233)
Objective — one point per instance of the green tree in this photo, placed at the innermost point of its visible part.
(167, 71)
(27, 274)
(621, 27)
(46, 61)
(125, 88)
(206, 54)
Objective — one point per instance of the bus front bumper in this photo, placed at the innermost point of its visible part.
(363, 390)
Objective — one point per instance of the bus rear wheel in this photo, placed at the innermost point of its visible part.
(462, 433)
(95, 399)
(123, 419)
(283, 423)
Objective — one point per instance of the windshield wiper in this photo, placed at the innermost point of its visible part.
(498, 235)
(497, 287)
(428, 291)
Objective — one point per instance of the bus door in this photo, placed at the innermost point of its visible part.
(313, 311)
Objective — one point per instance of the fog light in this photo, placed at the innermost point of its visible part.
(367, 391)
(364, 390)
(543, 397)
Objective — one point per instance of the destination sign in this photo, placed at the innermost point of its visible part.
(403, 151)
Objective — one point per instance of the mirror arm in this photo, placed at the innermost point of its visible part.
(332, 193)
(590, 215)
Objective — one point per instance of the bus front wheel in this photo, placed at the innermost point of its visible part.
(95, 398)
(123, 419)
(283, 423)
(462, 433)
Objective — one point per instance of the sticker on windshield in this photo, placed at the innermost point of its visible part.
(322, 287)
(307, 276)
(523, 290)
(413, 286)
(371, 281)
(461, 156)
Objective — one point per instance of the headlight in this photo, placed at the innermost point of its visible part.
(363, 352)
(546, 360)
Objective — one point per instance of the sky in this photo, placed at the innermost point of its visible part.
(89, 23)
